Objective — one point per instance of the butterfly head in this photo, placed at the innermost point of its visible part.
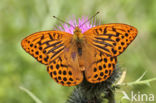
(77, 30)
(78, 34)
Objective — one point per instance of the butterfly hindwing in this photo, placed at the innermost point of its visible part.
(112, 39)
(101, 69)
(63, 73)
(45, 45)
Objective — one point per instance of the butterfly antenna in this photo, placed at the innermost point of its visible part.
(90, 18)
(63, 21)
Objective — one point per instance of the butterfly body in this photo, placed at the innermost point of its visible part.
(72, 57)
(77, 48)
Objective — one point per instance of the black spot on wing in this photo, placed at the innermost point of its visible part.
(100, 29)
(113, 29)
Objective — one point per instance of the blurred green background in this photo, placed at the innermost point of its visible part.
(19, 18)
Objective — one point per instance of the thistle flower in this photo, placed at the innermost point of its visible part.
(79, 22)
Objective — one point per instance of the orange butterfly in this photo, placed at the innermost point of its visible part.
(72, 57)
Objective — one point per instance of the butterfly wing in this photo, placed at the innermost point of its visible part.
(111, 39)
(45, 45)
(101, 69)
(63, 72)
(107, 42)
(54, 48)
(98, 66)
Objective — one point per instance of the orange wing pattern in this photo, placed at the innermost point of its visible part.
(63, 72)
(111, 39)
(101, 68)
(45, 45)
(53, 48)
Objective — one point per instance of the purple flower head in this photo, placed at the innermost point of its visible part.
(75, 23)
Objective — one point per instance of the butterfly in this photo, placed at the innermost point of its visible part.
(71, 58)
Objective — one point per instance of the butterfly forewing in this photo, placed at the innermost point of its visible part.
(111, 39)
(45, 45)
